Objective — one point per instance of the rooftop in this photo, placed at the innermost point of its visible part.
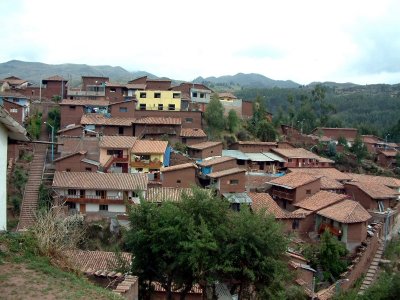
(347, 211)
(159, 121)
(331, 173)
(293, 180)
(74, 145)
(388, 181)
(85, 102)
(161, 194)
(320, 200)
(179, 167)
(299, 153)
(226, 172)
(192, 132)
(149, 147)
(257, 143)
(68, 128)
(389, 153)
(374, 190)
(14, 130)
(117, 142)
(330, 184)
(102, 181)
(214, 160)
(100, 119)
(204, 145)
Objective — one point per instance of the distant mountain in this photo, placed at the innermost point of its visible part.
(248, 80)
(331, 84)
(34, 71)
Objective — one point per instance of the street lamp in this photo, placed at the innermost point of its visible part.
(52, 141)
(339, 283)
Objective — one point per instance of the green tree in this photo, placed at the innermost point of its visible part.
(266, 131)
(259, 114)
(233, 121)
(53, 118)
(214, 116)
(34, 125)
(359, 149)
(331, 253)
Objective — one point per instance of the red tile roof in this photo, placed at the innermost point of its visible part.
(204, 145)
(293, 180)
(100, 119)
(264, 201)
(257, 143)
(300, 153)
(85, 102)
(388, 181)
(161, 194)
(149, 147)
(70, 155)
(331, 173)
(214, 161)
(158, 121)
(102, 181)
(179, 167)
(227, 172)
(389, 153)
(330, 184)
(192, 132)
(117, 142)
(68, 128)
(347, 211)
(374, 190)
(320, 200)
(55, 78)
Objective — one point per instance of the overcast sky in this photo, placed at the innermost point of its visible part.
(304, 41)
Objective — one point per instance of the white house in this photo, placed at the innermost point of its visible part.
(9, 129)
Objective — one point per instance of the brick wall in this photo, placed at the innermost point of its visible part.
(226, 186)
(118, 109)
(230, 164)
(183, 178)
(114, 94)
(15, 110)
(190, 119)
(74, 164)
(208, 152)
(252, 148)
(70, 114)
(307, 190)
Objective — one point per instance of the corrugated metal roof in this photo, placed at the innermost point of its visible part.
(235, 153)
(274, 157)
(258, 157)
(237, 197)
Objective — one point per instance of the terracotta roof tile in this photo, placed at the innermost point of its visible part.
(331, 173)
(346, 211)
(73, 145)
(300, 153)
(192, 132)
(214, 161)
(374, 190)
(96, 260)
(294, 180)
(160, 194)
(371, 139)
(264, 201)
(55, 78)
(70, 155)
(204, 145)
(85, 102)
(179, 167)
(99, 119)
(226, 172)
(227, 95)
(389, 153)
(147, 147)
(119, 142)
(388, 181)
(330, 184)
(159, 121)
(68, 128)
(320, 200)
(102, 181)
(257, 143)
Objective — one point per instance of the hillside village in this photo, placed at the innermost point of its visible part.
(103, 148)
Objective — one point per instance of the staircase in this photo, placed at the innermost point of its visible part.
(372, 271)
(31, 194)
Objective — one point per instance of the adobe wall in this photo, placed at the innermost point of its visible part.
(252, 148)
(129, 105)
(224, 165)
(301, 192)
(190, 119)
(74, 164)
(17, 116)
(183, 178)
(225, 187)
(70, 115)
(116, 96)
(208, 152)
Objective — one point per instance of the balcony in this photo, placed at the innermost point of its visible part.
(80, 93)
(94, 199)
(146, 164)
(283, 195)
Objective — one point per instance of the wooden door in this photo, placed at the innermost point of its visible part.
(82, 208)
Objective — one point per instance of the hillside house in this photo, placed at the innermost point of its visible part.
(104, 125)
(179, 176)
(292, 188)
(9, 129)
(149, 156)
(92, 87)
(347, 220)
(228, 181)
(54, 86)
(387, 158)
(267, 162)
(194, 96)
(302, 158)
(99, 193)
(115, 153)
(157, 128)
(215, 164)
(335, 133)
(191, 136)
(391, 182)
(158, 100)
(18, 111)
(71, 111)
(253, 146)
(206, 149)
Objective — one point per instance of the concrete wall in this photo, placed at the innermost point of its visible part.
(3, 178)
(152, 103)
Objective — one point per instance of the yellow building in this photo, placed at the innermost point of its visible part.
(147, 156)
(158, 100)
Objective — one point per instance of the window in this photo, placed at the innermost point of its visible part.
(157, 95)
(114, 152)
(240, 162)
(71, 205)
(103, 207)
(178, 181)
(88, 169)
(295, 224)
(67, 170)
(233, 182)
(123, 109)
(171, 106)
(121, 130)
(101, 194)
(160, 106)
(71, 192)
(308, 192)
(143, 95)
(289, 160)
(176, 95)
(72, 107)
(201, 95)
(113, 90)
(194, 94)
(189, 120)
(142, 106)
(13, 110)
(145, 157)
